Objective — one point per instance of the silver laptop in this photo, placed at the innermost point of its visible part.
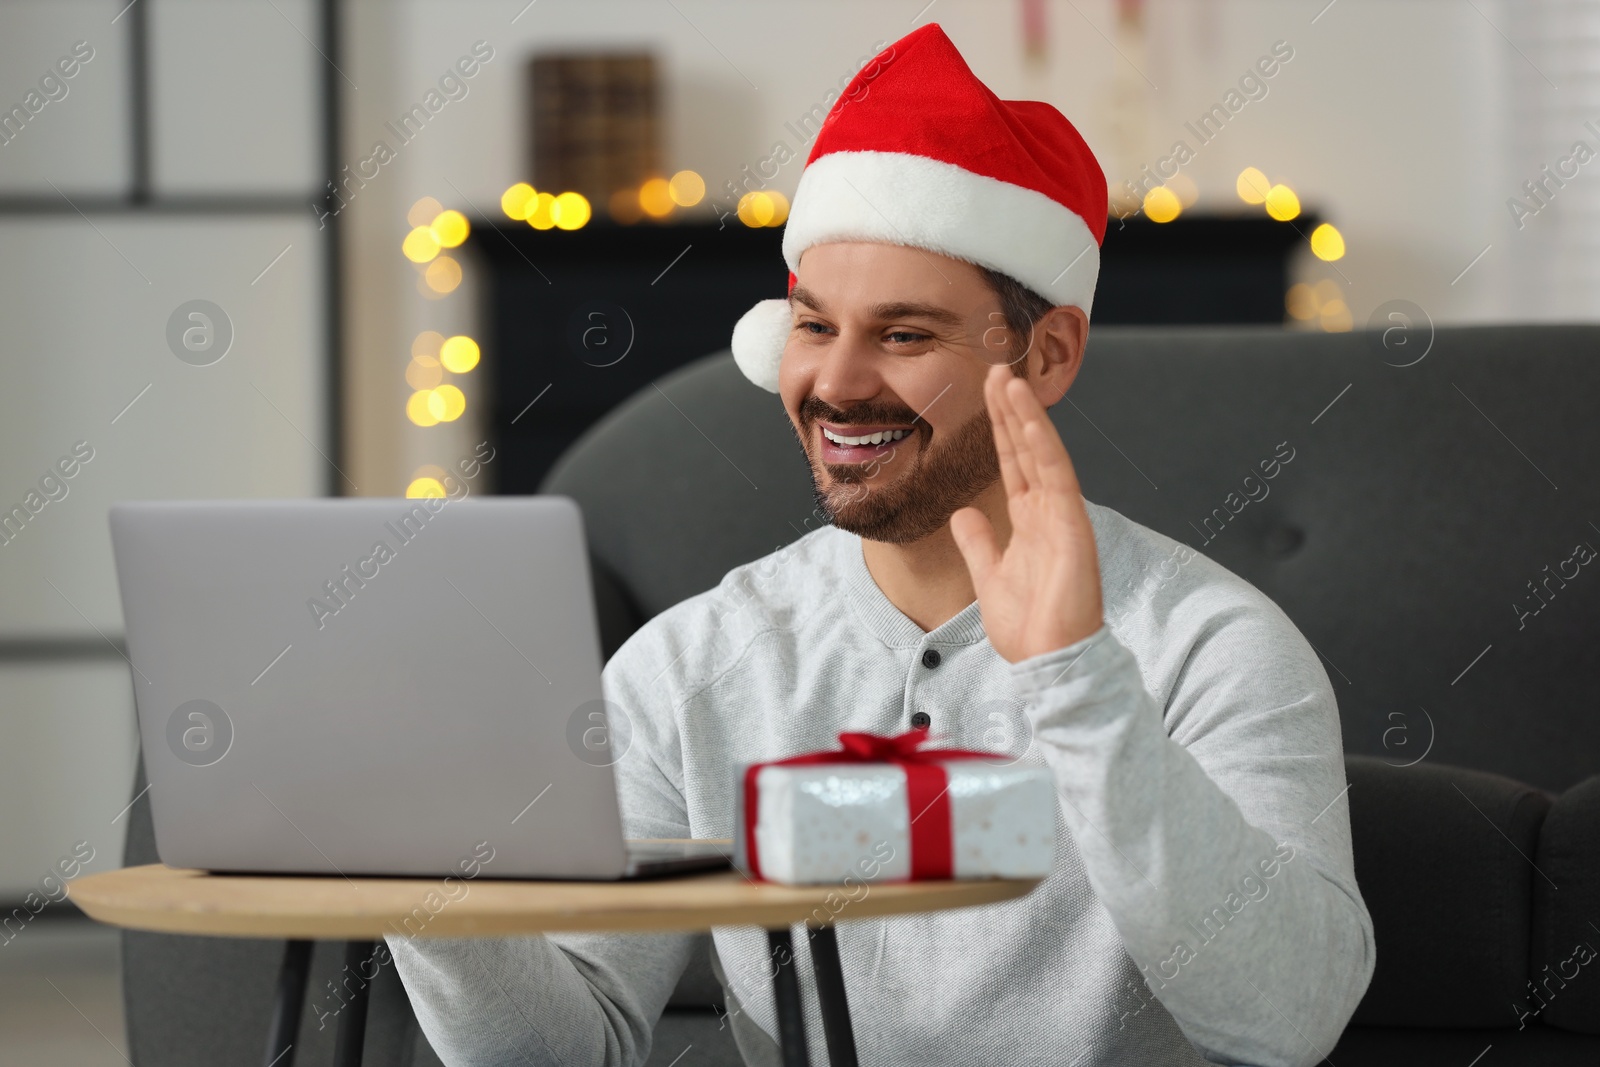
(377, 687)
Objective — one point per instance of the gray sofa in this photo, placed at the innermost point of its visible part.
(1422, 536)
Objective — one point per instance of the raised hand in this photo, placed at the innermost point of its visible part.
(1041, 592)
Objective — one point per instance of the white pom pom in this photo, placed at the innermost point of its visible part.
(758, 341)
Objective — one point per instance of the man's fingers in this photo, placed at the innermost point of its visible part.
(974, 536)
(1013, 418)
(1004, 446)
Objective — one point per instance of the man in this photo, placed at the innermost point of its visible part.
(943, 249)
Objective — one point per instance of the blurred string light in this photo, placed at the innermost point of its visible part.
(1327, 243)
(424, 372)
(433, 400)
(1322, 304)
(544, 210)
(517, 201)
(417, 408)
(433, 227)
(450, 228)
(1282, 204)
(1187, 192)
(655, 198)
(427, 480)
(424, 487)
(424, 211)
(443, 275)
(570, 211)
(446, 403)
(1252, 186)
(686, 188)
(420, 245)
(459, 354)
(1162, 204)
(765, 208)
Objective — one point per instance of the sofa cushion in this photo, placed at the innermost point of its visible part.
(1565, 965)
(1444, 859)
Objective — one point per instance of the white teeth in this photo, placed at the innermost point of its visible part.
(869, 439)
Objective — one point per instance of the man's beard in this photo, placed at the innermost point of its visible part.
(942, 480)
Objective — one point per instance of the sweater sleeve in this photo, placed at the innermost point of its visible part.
(1221, 849)
(567, 998)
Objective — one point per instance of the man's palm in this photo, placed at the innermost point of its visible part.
(1042, 592)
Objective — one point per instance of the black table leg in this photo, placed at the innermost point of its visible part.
(353, 1016)
(786, 991)
(830, 996)
(285, 1028)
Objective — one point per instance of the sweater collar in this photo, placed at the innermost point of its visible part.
(878, 613)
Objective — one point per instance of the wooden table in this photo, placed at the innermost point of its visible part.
(360, 910)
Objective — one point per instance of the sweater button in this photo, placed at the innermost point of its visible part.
(921, 720)
(931, 658)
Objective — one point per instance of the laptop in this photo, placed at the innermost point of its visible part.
(377, 687)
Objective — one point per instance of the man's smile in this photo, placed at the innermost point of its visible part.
(841, 443)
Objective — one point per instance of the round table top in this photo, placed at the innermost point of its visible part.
(180, 901)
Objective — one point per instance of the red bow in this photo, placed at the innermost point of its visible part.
(927, 785)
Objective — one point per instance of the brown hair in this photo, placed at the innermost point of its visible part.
(1021, 307)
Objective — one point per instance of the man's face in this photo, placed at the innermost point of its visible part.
(892, 344)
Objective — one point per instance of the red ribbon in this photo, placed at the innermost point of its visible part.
(927, 796)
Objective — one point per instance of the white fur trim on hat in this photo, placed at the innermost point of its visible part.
(897, 198)
(758, 341)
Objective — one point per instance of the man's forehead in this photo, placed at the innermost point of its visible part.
(888, 281)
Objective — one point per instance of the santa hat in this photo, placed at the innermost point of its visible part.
(919, 152)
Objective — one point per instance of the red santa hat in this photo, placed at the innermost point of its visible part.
(919, 152)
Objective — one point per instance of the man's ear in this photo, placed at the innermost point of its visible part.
(1059, 339)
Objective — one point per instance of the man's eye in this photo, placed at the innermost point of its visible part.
(808, 327)
(906, 337)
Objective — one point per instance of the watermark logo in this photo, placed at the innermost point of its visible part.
(600, 333)
(199, 733)
(1401, 331)
(599, 732)
(199, 332)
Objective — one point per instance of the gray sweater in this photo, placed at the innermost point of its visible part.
(1203, 904)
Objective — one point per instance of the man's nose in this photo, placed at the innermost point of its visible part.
(848, 371)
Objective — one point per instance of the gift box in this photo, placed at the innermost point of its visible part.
(888, 809)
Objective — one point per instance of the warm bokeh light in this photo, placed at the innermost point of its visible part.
(539, 212)
(1335, 316)
(424, 211)
(1300, 301)
(446, 403)
(624, 206)
(1282, 204)
(686, 188)
(780, 208)
(1184, 186)
(427, 343)
(417, 409)
(459, 354)
(1327, 290)
(450, 228)
(443, 275)
(1327, 242)
(423, 372)
(1162, 204)
(765, 208)
(1252, 186)
(655, 197)
(570, 211)
(420, 245)
(422, 487)
(517, 201)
